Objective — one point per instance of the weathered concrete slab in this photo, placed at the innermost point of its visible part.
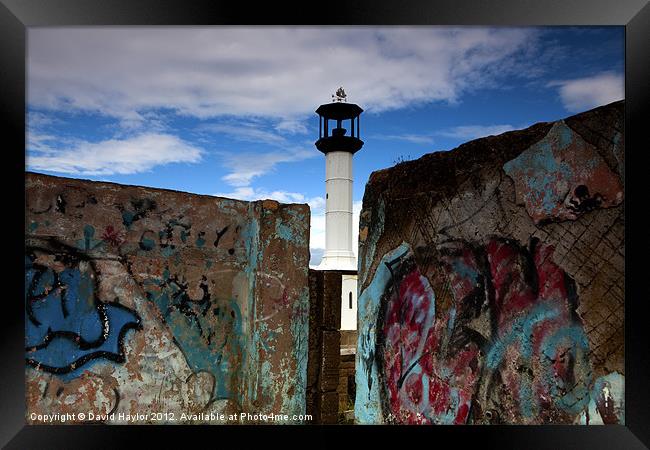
(492, 280)
(147, 301)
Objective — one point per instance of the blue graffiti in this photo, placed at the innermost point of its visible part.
(192, 323)
(570, 398)
(65, 325)
(89, 242)
(542, 170)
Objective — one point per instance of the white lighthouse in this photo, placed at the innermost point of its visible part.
(339, 146)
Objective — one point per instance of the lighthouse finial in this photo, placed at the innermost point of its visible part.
(340, 95)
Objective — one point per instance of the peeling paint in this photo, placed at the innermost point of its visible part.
(562, 177)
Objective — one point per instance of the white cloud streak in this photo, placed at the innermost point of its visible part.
(424, 139)
(250, 193)
(36, 120)
(246, 133)
(113, 156)
(291, 126)
(273, 72)
(469, 132)
(244, 167)
(585, 93)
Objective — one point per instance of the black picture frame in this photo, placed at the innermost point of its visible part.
(634, 15)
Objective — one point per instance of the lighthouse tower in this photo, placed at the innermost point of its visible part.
(339, 146)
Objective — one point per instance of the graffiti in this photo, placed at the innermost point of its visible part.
(166, 235)
(539, 328)
(562, 177)
(607, 404)
(208, 331)
(147, 240)
(429, 364)
(128, 308)
(60, 204)
(66, 325)
(165, 238)
(504, 302)
(219, 234)
(510, 348)
(200, 240)
(417, 387)
(112, 236)
(89, 242)
(139, 209)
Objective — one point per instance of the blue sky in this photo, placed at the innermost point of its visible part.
(230, 110)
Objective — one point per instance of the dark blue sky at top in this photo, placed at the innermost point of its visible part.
(564, 71)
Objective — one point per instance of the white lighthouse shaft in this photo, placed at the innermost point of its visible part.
(338, 212)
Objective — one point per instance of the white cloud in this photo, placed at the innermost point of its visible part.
(273, 72)
(585, 93)
(41, 142)
(317, 234)
(38, 120)
(244, 167)
(291, 126)
(113, 156)
(246, 133)
(251, 193)
(409, 137)
(151, 121)
(469, 132)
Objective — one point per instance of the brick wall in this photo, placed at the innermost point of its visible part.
(324, 346)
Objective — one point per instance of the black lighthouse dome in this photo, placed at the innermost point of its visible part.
(339, 140)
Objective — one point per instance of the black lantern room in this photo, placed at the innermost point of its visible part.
(339, 139)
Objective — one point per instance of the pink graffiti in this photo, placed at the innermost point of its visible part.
(424, 385)
(433, 361)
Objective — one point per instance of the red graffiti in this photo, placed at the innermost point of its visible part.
(425, 382)
(112, 236)
(433, 360)
(545, 365)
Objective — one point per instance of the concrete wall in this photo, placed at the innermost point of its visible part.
(492, 280)
(144, 301)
